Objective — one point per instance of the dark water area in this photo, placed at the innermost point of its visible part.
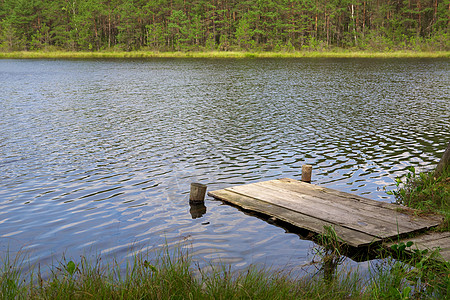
(97, 156)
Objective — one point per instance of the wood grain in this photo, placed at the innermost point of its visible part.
(358, 221)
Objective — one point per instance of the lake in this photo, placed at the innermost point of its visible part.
(97, 156)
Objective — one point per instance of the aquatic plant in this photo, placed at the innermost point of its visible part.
(171, 274)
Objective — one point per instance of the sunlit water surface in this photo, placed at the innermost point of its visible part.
(98, 156)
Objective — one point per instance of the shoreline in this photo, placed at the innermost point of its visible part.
(218, 54)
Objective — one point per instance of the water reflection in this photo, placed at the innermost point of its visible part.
(100, 154)
(197, 210)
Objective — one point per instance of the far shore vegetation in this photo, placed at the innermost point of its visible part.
(252, 26)
(339, 53)
(172, 274)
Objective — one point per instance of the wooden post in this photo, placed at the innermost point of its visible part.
(306, 173)
(198, 192)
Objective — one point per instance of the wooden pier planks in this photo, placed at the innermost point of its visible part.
(358, 221)
(430, 241)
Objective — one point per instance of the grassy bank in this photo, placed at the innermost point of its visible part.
(221, 54)
(426, 191)
(174, 276)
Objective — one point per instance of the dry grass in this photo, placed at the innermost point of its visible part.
(219, 54)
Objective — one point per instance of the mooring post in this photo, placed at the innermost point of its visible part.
(306, 173)
(198, 192)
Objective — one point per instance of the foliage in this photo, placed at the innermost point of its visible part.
(411, 274)
(252, 25)
(54, 54)
(171, 274)
(395, 279)
(330, 252)
(426, 192)
(10, 276)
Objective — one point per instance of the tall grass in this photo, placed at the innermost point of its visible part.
(220, 54)
(173, 275)
(10, 277)
(426, 191)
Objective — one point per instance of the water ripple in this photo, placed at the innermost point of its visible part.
(98, 155)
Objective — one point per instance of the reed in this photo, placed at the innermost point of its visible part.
(219, 54)
(171, 274)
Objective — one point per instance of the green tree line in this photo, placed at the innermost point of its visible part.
(253, 25)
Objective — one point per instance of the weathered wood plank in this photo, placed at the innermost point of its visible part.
(361, 206)
(315, 190)
(351, 237)
(326, 211)
(322, 192)
(318, 191)
(432, 236)
(358, 221)
(430, 241)
(434, 240)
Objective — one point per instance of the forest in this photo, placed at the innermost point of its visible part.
(224, 25)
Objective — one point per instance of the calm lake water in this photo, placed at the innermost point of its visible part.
(97, 156)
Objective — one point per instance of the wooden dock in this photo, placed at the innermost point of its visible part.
(358, 221)
(429, 241)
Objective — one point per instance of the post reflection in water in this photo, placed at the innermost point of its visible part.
(197, 210)
(98, 155)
